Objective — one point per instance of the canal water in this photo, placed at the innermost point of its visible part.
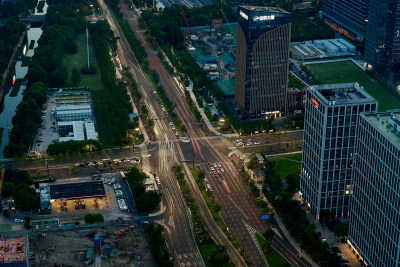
(11, 103)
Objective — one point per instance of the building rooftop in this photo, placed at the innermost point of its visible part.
(387, 122)
(77, 190)
(341, 94)
(265, 9)
(90, 131)
(77, 133)
(12, 251)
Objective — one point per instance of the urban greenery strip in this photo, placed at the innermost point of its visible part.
(212, 254)
(215, 207)
(158, 245)
(141, 57)
(112, 105)
(294, 217)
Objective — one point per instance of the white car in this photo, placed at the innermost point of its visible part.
(19, 220)
(256, 143)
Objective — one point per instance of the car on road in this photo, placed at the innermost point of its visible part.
(299, 255)
(256, 143)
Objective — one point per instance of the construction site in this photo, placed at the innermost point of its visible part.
(106, 246)
(213, 47)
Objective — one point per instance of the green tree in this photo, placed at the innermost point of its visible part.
(93, 218)
(219, 257)
(339, 230)
(8, 189)
(201, 174)
(293, 182)
(75, 77)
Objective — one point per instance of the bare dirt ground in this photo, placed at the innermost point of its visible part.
(70, 248)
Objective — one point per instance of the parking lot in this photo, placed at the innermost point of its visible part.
(46, 134)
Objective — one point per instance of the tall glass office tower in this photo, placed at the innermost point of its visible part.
(262, 61)
(383, 33)
(330, 124)
(374, 231)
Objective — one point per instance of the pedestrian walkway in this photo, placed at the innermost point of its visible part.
(281, 224)
(203, 115)
(331, 240)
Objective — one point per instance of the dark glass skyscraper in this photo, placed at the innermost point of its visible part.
(374, 232)
(349, 17)
(383, 33)
(262, 61)
(330, 125)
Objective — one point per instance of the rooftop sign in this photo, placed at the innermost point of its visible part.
(243, 15)
(257, 18)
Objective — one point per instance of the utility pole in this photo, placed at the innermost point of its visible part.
(87, 46)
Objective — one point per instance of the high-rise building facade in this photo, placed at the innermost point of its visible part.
(374, 230)
(349, 17)
(262, 61)
(330, 123)
(383, 33)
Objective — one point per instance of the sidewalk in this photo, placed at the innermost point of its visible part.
(203, 115)
(286, 232)
(281, 224)
(141, 126)
(330, 239)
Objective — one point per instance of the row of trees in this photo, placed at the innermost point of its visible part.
(218, 256)
(145, 201)
(294, 216)
(46, 69)
(26, 120)
(9, 37)
(158, 245)
(17, 8)
(112, 105)
(73, 146)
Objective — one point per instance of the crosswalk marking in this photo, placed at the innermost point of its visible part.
(171, 221)
(252, 233)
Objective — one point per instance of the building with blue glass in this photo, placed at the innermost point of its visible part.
(262, 61)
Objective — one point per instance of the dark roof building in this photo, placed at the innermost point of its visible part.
(77, 190)
(383, 33)
(262, 61)
(349, 17)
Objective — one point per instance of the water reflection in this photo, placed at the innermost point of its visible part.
(11, 103)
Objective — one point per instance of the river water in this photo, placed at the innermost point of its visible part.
(11, 103)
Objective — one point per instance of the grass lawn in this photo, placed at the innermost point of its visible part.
(5, 227)
(274, 258)
(205, 252)
(79, 59)
(347, 71)
(286, 164)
